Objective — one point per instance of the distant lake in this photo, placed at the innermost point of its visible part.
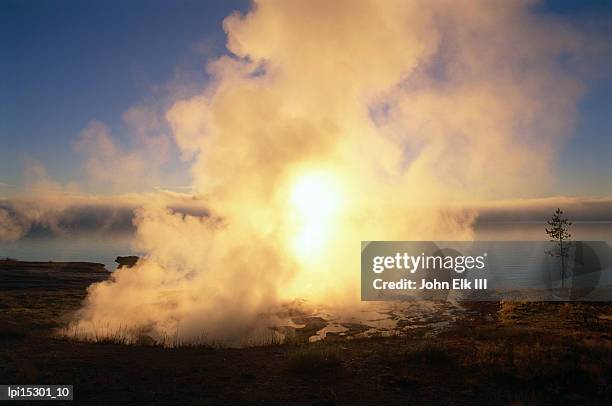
(105, 248)
(534, 231)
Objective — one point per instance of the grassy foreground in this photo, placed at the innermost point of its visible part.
(516, 354)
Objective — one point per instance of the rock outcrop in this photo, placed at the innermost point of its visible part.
(127, 262)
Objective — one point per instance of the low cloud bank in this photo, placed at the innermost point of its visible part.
(70, 215)
(576, 208)
(80, 215)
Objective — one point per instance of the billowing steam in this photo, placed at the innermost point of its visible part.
(332, 122)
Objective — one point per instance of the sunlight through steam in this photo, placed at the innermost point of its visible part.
(316, 200)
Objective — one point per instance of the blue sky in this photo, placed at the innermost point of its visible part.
(64, 63)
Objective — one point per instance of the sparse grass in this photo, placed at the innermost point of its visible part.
(492, 353)
(125, 336)
(176, 340)
(267, 338)
(428, 353)
(512, 353)
(593, 316)
(510, 312)
(10, 331)
(315, 358)
(586, 315)
(295, 340)
(573, 367)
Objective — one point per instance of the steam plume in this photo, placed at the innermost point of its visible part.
(334, 122)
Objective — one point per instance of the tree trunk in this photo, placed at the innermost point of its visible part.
(562, 253)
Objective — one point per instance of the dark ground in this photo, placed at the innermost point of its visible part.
(518, 354)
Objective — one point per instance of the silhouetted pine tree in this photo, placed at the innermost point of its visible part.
(559, 233)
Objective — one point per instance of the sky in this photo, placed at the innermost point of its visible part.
(66, 63)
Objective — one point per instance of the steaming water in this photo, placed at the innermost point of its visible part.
(367, 319)
(386, 318)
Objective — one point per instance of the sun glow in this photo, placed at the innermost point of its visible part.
(316, 201)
